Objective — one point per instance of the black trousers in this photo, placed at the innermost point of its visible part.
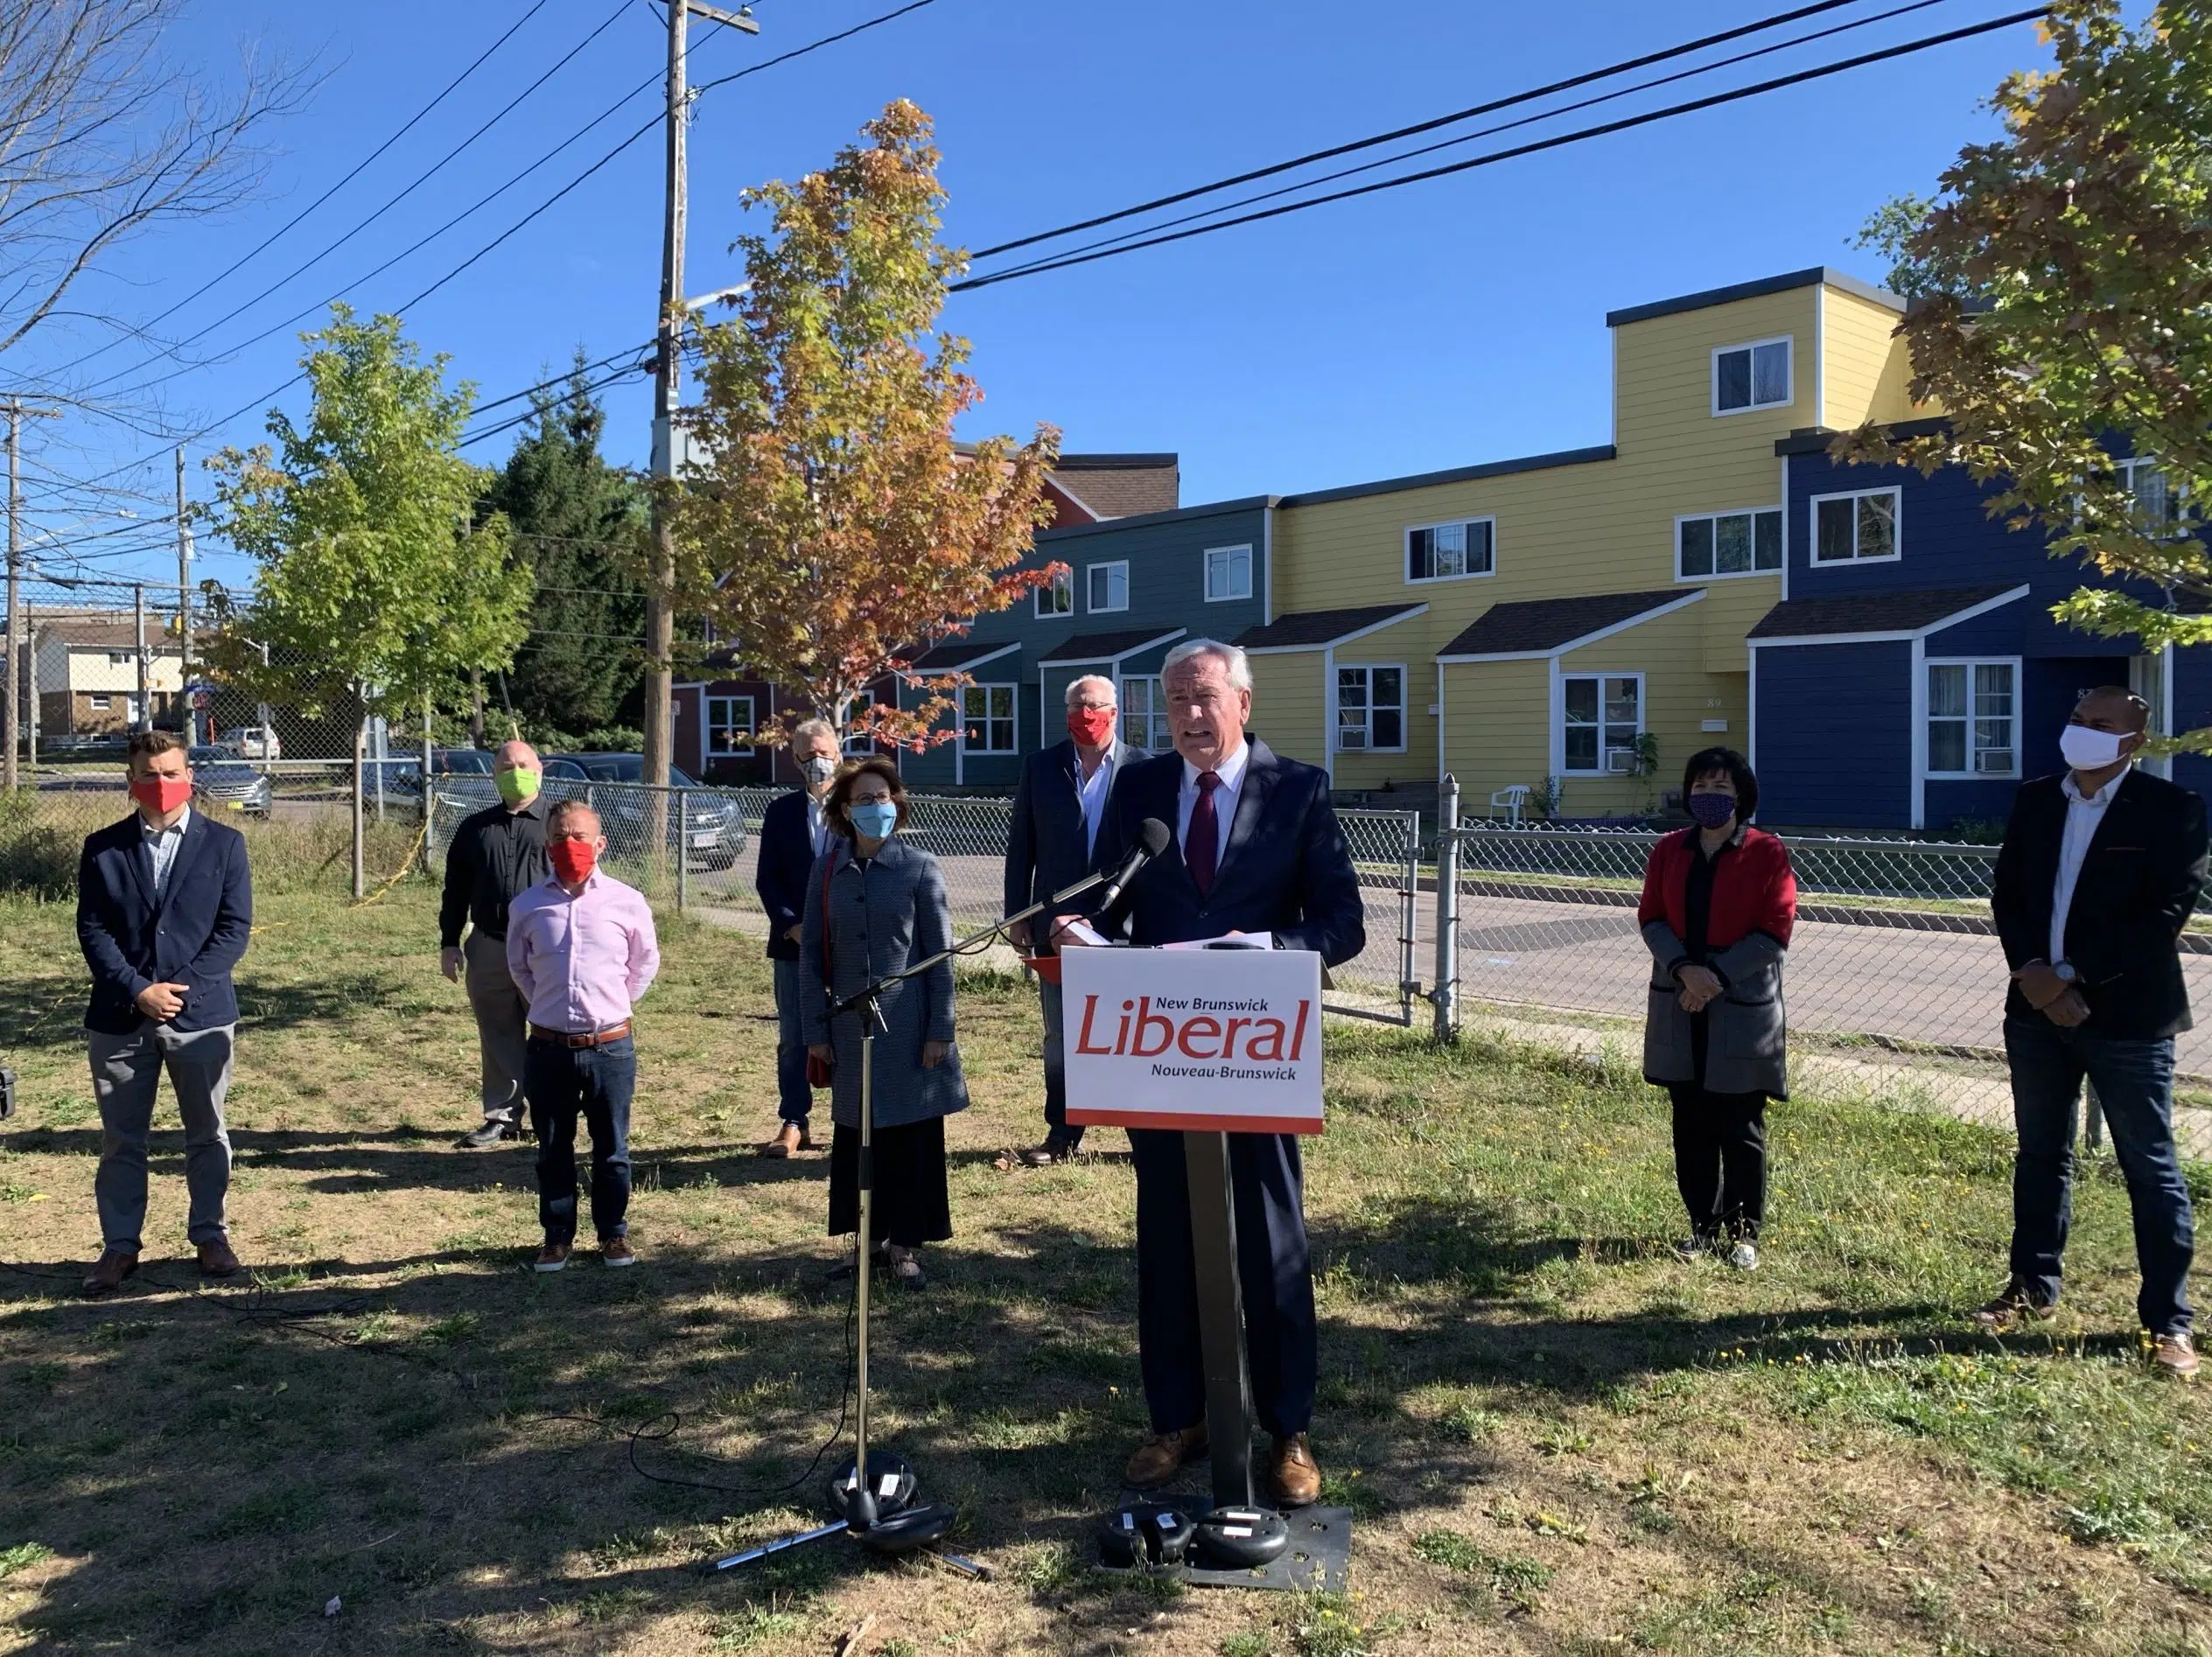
(1720, 1159)
(912, 1204)
(1266, 1186)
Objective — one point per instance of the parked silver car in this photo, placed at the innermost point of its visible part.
(221, 778)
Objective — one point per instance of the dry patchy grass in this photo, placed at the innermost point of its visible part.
(1559, 1438)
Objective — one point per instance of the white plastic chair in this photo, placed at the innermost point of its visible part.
(1510, 800)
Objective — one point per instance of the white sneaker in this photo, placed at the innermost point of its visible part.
(1744, 1257)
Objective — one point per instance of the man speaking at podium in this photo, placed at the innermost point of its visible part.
(1258, 850)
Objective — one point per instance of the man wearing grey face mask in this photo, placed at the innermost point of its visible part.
(792, 836)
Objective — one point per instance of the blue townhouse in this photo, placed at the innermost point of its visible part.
(1133, 587)
(1913, 675)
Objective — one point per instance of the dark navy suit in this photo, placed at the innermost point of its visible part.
(786, 856)
(1047, 851)
(1285, 870)
(192, 931)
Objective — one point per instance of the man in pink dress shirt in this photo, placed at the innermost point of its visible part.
(581, 949)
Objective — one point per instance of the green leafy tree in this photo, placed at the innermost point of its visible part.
(376, 580)
(575, 522)
(827, 524)
(2066, 270)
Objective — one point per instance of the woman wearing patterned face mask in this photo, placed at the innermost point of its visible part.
(1718, 902)
(878, 906)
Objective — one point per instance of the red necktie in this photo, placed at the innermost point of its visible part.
(1201, 842)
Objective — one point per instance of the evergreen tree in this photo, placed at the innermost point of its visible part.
(575, 522)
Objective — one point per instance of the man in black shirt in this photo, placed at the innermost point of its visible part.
(495, 855)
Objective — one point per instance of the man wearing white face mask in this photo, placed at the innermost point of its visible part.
(793, 835)
(2100, 870)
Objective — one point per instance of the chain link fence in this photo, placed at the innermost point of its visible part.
(1894, 981)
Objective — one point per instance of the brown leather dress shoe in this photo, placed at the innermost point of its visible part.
(2176, 1355)
(1162, 1456)
(1293, 1472)
(106, 1273)
(217, 1261)
(790, 1139)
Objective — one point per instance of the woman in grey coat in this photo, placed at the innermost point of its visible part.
(1719, 901)
(874, 906)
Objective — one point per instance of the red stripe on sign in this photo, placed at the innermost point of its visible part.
(1194, 1121)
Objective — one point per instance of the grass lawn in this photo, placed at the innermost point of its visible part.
(1558, 1439)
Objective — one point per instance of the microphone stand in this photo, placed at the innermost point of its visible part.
(873, 1497)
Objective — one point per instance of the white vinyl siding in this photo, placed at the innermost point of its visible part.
(1728, 543)
(1755, 375)
(1450, 551)
(1973, 718)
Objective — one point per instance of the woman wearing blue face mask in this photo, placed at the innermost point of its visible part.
(1718, 903)
(876, 904)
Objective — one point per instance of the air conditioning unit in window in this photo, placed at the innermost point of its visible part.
(1350, 738)
(1622, 762)
(1995, 761)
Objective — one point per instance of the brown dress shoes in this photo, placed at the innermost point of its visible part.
(217, 1261)
(1293, 1472)
(790, 1139)
(1162, 1456)
(106, 1273)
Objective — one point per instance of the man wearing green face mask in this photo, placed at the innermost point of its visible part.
(495, 855)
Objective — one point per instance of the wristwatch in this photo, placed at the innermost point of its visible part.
(2063, 971)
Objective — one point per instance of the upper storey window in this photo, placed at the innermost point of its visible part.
(1751, 376)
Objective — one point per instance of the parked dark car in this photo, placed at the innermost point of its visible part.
(220, 777)
(461, 762)
(710, 822)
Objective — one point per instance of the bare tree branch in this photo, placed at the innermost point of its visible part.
(100, 135)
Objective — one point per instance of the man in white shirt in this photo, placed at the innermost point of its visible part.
(1058, 803)
(2100, 870)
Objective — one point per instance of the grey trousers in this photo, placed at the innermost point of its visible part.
(1056, 1127)
(502, 1020)
(126, 1075)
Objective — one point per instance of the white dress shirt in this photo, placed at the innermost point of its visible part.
(162, 844)
(1231, 772)
(2083, 814)
(1092, 792)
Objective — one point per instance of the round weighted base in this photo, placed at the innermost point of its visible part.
(908, 1529)
(1147, 1533)
(1239, 1538)
(891, 1482)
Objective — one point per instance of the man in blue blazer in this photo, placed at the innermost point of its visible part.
(164, 906)
(1060, 804)
(792, 837)
(1258, 848)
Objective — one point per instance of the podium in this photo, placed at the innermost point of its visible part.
(1207, 1042)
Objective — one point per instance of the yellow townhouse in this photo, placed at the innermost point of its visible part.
(1577, 620)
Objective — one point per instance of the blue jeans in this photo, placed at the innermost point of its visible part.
(795, 1100)
(597, 1083)
(2134, 1082)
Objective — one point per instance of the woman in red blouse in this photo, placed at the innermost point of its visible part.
(1718, 903)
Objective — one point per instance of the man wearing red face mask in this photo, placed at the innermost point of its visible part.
(582, 950)
(164, 906)
(1058, 803)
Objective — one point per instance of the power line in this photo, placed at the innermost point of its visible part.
(253, 252)
(1534, 147)
(1480, 132)
(1469, 113)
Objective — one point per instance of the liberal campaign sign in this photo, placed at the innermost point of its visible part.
(1213, 1039)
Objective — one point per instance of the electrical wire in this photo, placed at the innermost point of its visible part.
(1534, 147)
(1418, 127)
(1483, 132)
(251, 253)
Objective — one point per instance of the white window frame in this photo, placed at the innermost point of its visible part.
(2176, 501)
(1406, 566)
(1090, 593)
(1559, 719)
(1781, 529)
(1814, 561)
(1789, 342)
(1367, 746)
(1206, 574)
(122, 658)
(1154, 714)
(1927, 717)
(1057, 586)
(714, 724)
(1012, 718)
(100, 701)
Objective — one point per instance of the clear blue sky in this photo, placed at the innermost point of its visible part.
(1440, 325)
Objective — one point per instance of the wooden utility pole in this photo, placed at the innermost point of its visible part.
(11, 657)
(660, 589)
(146, 721)
(184, 605)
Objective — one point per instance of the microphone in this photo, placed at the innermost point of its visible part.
(1154, 837)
